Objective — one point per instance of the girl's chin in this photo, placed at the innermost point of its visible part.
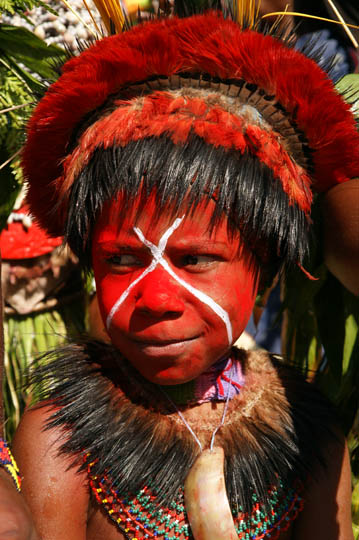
(169, 364)
(167, 376)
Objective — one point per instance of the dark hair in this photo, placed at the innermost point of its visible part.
(243, 188)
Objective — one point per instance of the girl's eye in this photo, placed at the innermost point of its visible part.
(197, 260)
(124, 260)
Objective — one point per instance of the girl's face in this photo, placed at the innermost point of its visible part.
(173, 296)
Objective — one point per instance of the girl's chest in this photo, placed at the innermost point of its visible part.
(101, 527)
(143, 515)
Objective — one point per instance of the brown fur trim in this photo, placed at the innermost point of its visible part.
(275, 432)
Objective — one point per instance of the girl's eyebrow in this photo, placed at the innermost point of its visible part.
(196, 244)
(182, 244)
(116, 245)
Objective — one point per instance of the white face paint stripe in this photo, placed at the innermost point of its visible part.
(203, 298)
(157, 252)
(125, 294)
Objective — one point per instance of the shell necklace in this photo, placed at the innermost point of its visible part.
(207, 506)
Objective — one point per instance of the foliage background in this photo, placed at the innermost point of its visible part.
(27, 65)
(322, 318)
(321, 337)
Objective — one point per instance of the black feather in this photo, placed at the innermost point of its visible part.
(120, 420)
(245, 191)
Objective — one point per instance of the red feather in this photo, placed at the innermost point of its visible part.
(205, 43)
(160, 114)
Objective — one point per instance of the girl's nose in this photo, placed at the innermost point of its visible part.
(158, 294)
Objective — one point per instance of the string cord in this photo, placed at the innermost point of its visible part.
(182, 418)
(187, 424)
(224, 413)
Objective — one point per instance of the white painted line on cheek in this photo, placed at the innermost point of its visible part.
(203, 298)
(125, 293)
(157, 252)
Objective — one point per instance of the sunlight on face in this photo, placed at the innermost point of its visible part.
(174, 296)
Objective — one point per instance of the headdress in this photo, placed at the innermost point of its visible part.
(200, 106)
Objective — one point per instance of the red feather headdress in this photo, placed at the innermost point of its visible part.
(236, 89)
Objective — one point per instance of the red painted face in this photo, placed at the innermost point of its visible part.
(173, 296)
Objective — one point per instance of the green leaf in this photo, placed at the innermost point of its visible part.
(351, 335)
(9, 189)
(314, 352)
(19, 6)
(32, 84)
(350, 81)
(355, 504)
(43, 4)
(25, 47)
(348, 87)
(301, 341)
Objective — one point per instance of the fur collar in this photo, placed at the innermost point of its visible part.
(276, 430)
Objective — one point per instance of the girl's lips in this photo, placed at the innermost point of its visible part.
(164, 347)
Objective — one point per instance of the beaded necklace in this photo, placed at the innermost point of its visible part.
(133, 449)
(8, 462)
(141, 515)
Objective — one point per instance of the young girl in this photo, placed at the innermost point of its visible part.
(178, 159)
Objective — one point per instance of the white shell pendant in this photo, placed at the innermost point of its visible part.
(206, 500)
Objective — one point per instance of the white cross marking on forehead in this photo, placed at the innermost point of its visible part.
(157, 253)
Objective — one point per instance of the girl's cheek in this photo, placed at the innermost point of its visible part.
(244, 299)
(109, 289)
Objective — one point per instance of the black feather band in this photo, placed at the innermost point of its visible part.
(245, 191)
(276, 428)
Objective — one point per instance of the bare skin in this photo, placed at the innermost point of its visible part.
(15, 520)
(60, 503)
(170, 336)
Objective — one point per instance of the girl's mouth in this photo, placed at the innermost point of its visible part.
(168, 347)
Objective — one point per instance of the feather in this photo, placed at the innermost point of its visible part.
(276, 428)
(111, 13)
(202, 44)
(246, 13)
